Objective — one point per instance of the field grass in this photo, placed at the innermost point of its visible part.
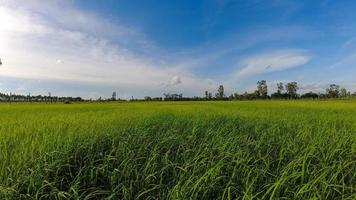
(182, 150)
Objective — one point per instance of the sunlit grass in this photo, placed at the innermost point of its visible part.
(182, 150)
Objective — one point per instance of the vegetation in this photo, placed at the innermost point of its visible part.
(288, 91)
(38, 98)
(179, 150)
(261, 92)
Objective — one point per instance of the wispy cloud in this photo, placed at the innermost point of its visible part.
(57, 41)
(176, 80)
(348, 43)
(271, 62)
(32, 42)
(346, 61)
(316, 87)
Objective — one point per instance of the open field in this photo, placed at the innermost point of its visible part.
(182, 150)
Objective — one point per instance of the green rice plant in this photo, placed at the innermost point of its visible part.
(179, 150)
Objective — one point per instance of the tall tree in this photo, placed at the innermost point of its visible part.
(291, 89)
(280, 88)
(220, 94)
(113, 96)
(206, 95)
(344, 92)
(333, 91)
(210, 95)
(262, 89)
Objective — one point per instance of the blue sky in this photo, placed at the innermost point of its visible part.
(90, 48)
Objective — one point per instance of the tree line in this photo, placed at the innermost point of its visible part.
(12, 97)
(284, 91)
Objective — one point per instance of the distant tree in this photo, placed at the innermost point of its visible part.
(249, 96)
(323, 95)
(344, 93)
(279, 94)
(180, 96)
(0, 62)
(310, 95)
(262, 90)
(206, 95)
(113, 96)
(173, 97)
(157, 99)
(280, 88)
(49, 97)
(148, 98)
(333, 91)
(166, 96)
(220, 94)
(291, 89)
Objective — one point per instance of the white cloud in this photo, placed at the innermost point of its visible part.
(346, 61)
(54, 40)
(58, 62)
(15, 21)
(348, 43)
(32, 45)
(315, 87)
(175, 80)
(21, 89)
(270, 62)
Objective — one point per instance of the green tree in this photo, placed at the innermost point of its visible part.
(221, 93)
(291, 89)
(280, 88)
(262, 89)
(344, 93)
(206, 95)
(333, 91)
(113, 96)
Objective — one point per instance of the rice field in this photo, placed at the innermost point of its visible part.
(179, 150)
